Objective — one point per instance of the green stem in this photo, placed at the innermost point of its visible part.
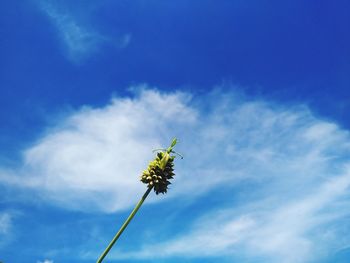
(124, 225)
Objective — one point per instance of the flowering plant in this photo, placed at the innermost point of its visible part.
(156, 177)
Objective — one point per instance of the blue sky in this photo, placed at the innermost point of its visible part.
(257, 92)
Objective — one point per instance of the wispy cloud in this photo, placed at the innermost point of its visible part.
(45, 261)
(5, 223)
(284, 173)
(289, 232)
(79, 38)
(5, 227)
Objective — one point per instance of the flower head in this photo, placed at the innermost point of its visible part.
(160, 170)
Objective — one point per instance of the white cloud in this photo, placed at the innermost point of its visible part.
(290, 167)
(94, 158)
(80, 39)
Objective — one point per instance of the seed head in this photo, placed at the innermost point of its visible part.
(160, 171)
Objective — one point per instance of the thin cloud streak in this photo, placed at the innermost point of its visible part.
(5, 223)
(45, 261)
(80, 40)
(6, 226)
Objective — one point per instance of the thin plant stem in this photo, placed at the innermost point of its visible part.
(127, 221)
